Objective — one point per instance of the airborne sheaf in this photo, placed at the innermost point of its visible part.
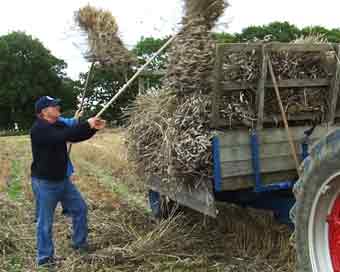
(169, 131)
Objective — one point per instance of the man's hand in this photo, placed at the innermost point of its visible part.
(100, 124)
(78, 114)
(97, 123)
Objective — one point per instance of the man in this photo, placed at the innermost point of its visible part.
(70, 122)
(50, 174)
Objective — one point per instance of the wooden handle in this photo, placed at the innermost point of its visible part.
(89, 74)
(83, 98)
(135, 76)
(289, 135)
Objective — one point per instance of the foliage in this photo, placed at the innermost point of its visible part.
(276, 31)
(223, 37)
(104, 84)
(146, 47)
(27, 71)
(285, 32)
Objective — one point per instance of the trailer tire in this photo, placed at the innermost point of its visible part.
(316, 197)
(161, 206)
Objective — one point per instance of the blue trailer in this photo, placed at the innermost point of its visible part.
(255, 168)
(251, 169)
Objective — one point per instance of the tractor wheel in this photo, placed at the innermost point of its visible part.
(317, 210)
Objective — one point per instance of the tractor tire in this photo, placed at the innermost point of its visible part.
(316, 213)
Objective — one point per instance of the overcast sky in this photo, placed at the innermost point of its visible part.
(52, 21)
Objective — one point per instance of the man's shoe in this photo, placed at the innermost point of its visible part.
(50, 261)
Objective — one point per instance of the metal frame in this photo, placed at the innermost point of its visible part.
(217, 164)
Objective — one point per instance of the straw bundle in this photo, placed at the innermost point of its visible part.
(149, 131)
(210, 10)
(169, 134)
(101, 29)
(169, 137)
(192, 55)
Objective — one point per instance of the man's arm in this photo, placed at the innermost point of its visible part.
(50, 135)
(70, 122)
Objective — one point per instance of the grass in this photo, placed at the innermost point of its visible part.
(15, 186)
(120, 225)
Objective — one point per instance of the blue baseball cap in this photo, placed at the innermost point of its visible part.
(44, 102)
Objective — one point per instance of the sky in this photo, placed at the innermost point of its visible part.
(52, 21)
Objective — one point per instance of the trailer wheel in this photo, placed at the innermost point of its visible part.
(317, 211)
(161, 206)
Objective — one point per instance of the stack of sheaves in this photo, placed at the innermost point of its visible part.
(169, 132)
(101, 30)
(301, 104)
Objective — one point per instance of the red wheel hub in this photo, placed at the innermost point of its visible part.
(334, 234)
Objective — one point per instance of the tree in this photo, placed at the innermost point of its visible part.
(147, 47)
(223, 37)
(104, 84)
(277, 31)
(27, 71)
(144, 50)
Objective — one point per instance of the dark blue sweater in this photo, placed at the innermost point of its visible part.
(49, 148)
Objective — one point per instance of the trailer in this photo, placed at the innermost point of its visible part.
(254, 167)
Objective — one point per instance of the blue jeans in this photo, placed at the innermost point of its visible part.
(35, 184)
(48, 195)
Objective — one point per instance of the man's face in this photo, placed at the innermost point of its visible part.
(52, 112)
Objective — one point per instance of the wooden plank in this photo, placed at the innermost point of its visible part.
(274, 120)
(276, 47)
(288, 83)
(243, 152)
(270, 165)
(303, 116)
(228, 48)
(247, 182)
(217, 87)
(261, 89)
(270, 135)
(299, 83)
(334, 93)
(236, 86)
